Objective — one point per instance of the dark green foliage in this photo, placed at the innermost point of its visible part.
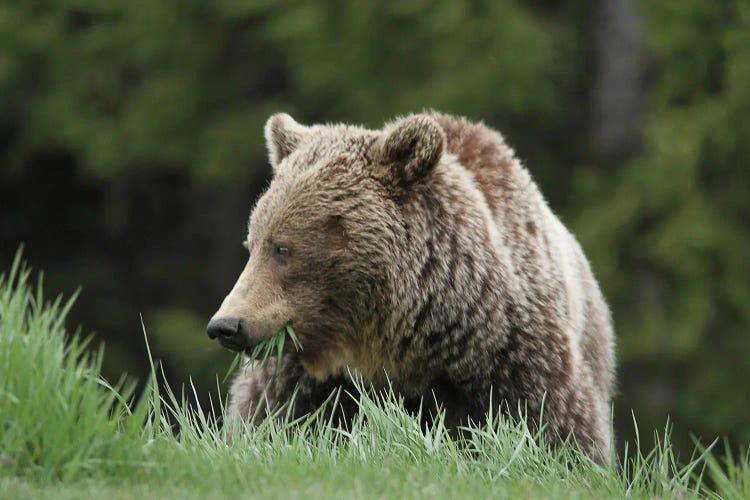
(668, 231)
(131, 152)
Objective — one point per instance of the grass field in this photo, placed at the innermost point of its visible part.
(67, 433)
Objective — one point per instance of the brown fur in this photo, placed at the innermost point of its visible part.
(423, 255)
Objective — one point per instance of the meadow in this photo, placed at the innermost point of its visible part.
(66, 432)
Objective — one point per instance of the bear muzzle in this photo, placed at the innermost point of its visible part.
(232, 333)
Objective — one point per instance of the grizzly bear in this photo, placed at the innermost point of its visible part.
(422, 256)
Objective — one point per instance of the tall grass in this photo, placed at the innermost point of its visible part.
(58, 416)
(64, 428)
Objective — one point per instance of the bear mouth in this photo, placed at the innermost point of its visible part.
(235, 344)
(281, 343)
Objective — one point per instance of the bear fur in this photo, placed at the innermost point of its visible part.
(425, 257)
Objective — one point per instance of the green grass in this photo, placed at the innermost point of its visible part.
(272, 347)
(67, 433)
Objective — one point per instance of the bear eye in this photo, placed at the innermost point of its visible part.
(280, 252)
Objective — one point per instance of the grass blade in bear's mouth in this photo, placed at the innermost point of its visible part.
(269, 347)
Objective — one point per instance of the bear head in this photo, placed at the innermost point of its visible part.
(324, 238)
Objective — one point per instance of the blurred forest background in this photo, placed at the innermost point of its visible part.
(131, 152)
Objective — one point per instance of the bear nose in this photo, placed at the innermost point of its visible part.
(229, 331)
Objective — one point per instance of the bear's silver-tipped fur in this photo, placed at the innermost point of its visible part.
(423, 255)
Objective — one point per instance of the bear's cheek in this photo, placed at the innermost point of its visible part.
(321, 334)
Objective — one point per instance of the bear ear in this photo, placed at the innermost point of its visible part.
(283, 135)
(411, 147)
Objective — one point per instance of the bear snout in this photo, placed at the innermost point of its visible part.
(231, 332)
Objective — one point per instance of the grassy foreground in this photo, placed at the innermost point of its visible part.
(67, 433)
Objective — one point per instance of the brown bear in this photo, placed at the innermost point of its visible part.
(422, 256)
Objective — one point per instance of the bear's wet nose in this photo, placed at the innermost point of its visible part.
(229, 331)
